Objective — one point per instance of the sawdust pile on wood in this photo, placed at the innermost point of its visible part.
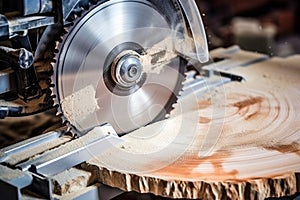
(80, 104)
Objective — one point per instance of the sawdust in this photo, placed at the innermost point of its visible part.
(158, 56)
(70, 181)
(66, 148)
(9, 174)
(163, 52)
(186, 46)
(38, 150)
(80, 104)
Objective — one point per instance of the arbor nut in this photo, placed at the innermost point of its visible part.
(128, 71)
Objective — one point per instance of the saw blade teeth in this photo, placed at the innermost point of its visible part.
(59, 114)
(180, 92)
(65, 121)
(171, 105)
(51, 85)
(58, 45)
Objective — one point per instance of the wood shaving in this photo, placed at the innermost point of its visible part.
(80, 104)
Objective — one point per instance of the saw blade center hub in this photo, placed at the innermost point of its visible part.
(128, 71)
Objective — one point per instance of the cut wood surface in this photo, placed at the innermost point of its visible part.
(240, 140)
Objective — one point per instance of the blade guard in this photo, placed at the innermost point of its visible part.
(192, 14)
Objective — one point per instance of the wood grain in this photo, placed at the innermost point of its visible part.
(236, 141)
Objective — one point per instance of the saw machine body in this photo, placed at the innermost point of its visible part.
(105, 55)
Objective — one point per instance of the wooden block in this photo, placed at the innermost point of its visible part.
(70, 181)
(238, 141)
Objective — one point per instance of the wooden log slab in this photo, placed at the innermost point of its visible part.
(240, 140)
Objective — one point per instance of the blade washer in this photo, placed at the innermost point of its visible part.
(123, 71)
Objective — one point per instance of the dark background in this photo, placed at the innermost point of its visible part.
(218, 16)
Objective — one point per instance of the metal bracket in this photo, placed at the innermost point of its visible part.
(35, 174)
(74, 154)
(12, 181)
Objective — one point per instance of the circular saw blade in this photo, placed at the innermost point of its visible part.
(87, 93)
